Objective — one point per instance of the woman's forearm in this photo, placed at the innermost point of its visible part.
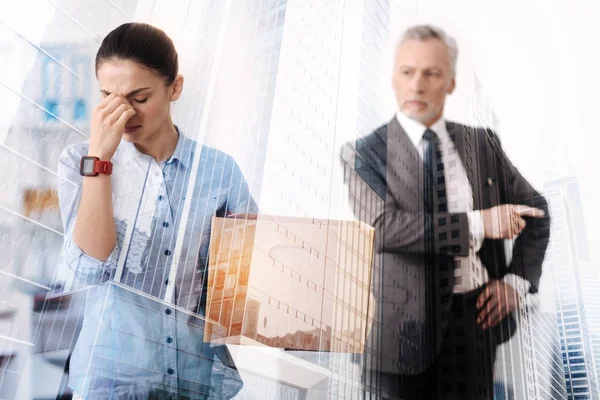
(95, 231)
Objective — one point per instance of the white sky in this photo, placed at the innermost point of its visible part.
(538, 64)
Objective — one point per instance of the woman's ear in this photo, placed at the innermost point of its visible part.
(176, 88)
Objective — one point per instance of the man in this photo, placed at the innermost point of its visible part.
(447, 202)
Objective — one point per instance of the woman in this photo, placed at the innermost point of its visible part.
(137, 201)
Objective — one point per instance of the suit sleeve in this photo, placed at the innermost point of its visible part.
(530, 246)
(378, 203)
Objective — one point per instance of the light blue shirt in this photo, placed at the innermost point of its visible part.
(143, 325)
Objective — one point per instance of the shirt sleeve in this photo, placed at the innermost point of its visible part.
(239, 200)
(87, 269)
(476, 232)
(517, 282)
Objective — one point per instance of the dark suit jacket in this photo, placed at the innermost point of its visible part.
(411, 283)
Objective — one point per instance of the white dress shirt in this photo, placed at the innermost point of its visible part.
(469, 272)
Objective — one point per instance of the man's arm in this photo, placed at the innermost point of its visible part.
(401, 231)
(397, 230)
(530, 246)
(502, 297)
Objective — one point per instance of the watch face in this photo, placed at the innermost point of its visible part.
(87, 166)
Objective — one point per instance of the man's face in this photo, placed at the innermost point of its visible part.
(422, 78)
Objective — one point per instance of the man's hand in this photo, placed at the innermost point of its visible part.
(506, 221)
(495, 302)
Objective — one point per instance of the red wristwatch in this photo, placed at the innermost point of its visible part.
(92, 166)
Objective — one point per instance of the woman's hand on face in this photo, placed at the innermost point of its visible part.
(108, 123)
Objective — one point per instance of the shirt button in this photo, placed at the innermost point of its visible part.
(160, 197)
(169, 340)
(168, 311)
(170, 371)
(166, 224)
(167, 252)
(157, 174)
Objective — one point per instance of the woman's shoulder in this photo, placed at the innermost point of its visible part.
(214, 155)
(73, 153)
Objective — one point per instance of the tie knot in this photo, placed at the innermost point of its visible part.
(429, 135)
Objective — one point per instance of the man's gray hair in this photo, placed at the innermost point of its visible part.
(424, 32)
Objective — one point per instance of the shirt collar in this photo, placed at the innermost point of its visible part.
(415, 129)
(183, 150)
(182, 154)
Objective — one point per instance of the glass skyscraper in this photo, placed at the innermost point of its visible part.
(563, 255)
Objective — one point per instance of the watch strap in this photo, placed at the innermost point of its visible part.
(103, 167)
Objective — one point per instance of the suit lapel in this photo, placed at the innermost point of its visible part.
(492, 251)
(402, 146)
(404, 169)
(401, 159)
(457, 135)
(404, 151)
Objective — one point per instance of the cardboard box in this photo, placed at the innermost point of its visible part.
(290, 283)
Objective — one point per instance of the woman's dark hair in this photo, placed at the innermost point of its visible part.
(144, 44)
